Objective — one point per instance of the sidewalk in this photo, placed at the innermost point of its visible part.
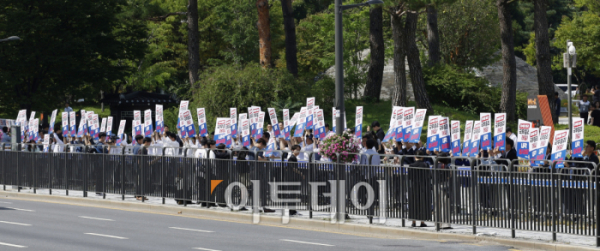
(574, 242)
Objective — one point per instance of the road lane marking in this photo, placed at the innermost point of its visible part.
(108, 236)
(20, 209)
(311, 243)
(15, 223)
(206, 249)
(189, 229)
(12, 245)
(94, 218)
(5, 202)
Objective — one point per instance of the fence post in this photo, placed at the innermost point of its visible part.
(473, 195)
(123, 159)
(552, 201)
(85, 172)
(18, 173)
(103, 174)
(436, 202)
(597, 205)
(67, 173)
(162, 175)
(34, 176)
(511, 192)
(310, 167)
(51, 169)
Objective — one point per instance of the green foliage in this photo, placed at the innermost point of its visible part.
(228, 86)
(468, 40)
(584, 31)
(69, 50)
(451, 87)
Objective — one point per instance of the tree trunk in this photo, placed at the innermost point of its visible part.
(264, 33)
(433, 36)
(375, 74)
(542, 55)
(291, 50)
(193, 41)
(509, 64)
(414, 62)
(399, 96)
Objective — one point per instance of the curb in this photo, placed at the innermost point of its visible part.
(298, 223)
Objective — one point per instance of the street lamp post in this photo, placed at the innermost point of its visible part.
(13, 38)
(339, 61)
(339, 93)
(569, 61)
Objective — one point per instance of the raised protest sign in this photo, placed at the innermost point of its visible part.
(310, 104)
(46, 143)
(433, 133)
(540, 155)
(455, 132)
(274, 123)
(223, 131)
(286, 124)
(416, 125)
(399, 134)
(407, 124)
(577, 138)
(202, 130)
(474, 147)
(270, 147)
(320, 125)
(486, 131)
(65, 123)
(82, 127)
(523, 139)
(233, 120)
(72, 125)
(300, 123)
(559, 147)
(260, 125)
(358, 122)
(444, 132)
(188, 124)
(137, 127)
(160, 121)
(148, 123)
(534, 138)
(103, 125)
(96, 126)
(468, 135)
(500, 131)
(245, 128)
(391, 133)
(53, 121)
(121, 131)
(109, 123)
(183, 106)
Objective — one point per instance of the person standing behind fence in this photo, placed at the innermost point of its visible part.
(138, 144)
(5, 135)
(584, 108)
(419, 193)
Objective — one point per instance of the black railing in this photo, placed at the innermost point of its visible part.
(481, 193)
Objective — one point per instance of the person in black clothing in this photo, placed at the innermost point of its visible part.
(221, 153)
(596, 113)
(574, 198)
(419, 193)
(295, 152)
(379, 136)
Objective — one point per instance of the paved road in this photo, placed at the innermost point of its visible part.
(37, 225)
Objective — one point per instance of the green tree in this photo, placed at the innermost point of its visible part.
(69, 50)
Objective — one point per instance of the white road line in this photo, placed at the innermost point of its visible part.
(15, 223)
(19, 209)
(206, 249)
(11, 245)
(5, 202)
(108, 236)
(94, 218)
(189, 229)
(311, 243)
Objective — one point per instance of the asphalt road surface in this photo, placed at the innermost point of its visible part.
(37, 225)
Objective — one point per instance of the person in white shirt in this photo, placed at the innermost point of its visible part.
(510, 134)
(60, 145)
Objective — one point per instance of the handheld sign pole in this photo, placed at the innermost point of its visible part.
(500, 131)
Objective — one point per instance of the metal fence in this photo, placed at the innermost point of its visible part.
(519, 195)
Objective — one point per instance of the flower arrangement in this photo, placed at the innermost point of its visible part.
(346, 145)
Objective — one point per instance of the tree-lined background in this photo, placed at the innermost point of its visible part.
(274, 53)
